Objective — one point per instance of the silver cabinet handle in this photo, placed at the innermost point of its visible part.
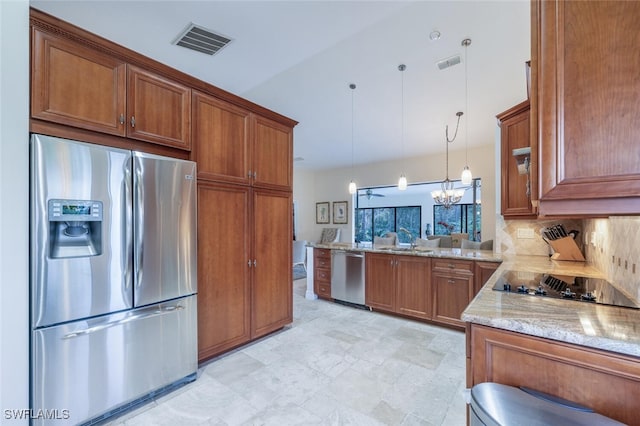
(133, 121)
(451, 281)
(254, 263)
(121, 118)
(255, 175)
(249, 263)
(249, 174)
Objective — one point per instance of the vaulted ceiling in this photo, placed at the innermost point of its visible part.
(299, 57)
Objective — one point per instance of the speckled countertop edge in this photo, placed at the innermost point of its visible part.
(451, 253)
(602, 327)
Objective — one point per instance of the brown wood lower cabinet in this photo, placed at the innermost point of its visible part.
(453, 289)
(244, 265)
(400, 284)
(272, 276)
(607, 382)
(482, 273)
(322, 273)
(224, 280)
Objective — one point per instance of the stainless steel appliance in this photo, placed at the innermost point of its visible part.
(113, 278)
(495, 404)
(577, 288)
(347, 276)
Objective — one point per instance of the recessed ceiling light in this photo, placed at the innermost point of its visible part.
(434, 35)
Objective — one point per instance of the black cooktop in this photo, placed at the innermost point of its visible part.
(564, 287)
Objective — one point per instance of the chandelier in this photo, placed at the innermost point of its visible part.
(448, 195)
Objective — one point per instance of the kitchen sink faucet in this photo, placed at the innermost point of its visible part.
(412, 239)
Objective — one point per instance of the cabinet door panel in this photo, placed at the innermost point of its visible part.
(223, 273)
(272, 154)
(221, 134)
(160, 109)
(76, 86)
(483, 271)
(588, 109)
(604, 381)
(380, 289)
(272, 274)
(413, 295)
(515, 132)
(452, 294)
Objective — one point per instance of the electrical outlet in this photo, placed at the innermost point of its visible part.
(526, 233)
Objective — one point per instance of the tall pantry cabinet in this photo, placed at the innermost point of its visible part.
(244, 221)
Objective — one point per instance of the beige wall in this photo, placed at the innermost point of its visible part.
(331, 185)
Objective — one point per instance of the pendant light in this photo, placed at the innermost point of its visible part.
(466, 176)
(448, 196)
(353, 188)
(402, 182)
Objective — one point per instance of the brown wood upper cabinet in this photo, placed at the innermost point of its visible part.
(158, 109)
(221, 135)
(585, 109)
(235, 145)
(77, 85)
(515, 200)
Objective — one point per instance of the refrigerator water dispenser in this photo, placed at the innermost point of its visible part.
(75, 228)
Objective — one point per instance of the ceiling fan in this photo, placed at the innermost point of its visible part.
(369, 193)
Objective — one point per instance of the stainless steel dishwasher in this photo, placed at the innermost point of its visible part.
(347, 276)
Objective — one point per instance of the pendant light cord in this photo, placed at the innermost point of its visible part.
(466, 42)
(352, 87)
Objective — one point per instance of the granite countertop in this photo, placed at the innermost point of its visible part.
(452, 253)
(597, 326)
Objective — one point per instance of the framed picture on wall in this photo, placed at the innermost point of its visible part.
(340, 213)
(322, 212)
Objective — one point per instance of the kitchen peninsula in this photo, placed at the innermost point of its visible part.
(423, 283)
(570, 349)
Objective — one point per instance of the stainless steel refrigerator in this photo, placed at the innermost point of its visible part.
(113, 278)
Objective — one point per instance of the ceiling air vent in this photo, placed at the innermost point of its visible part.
(449, 62)
(200, 39)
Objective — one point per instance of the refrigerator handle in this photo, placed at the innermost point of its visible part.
(138, 211)
(127, 238)
(147, 313)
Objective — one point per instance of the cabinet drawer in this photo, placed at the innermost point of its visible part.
(453, 266)
(324, 290)
(322, 262)
(323, 275)
(322, 253)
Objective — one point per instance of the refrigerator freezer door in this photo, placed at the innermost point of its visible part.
(164, 228)
(81, 243)
(92, 367)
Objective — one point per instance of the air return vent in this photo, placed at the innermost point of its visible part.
(200, 39)
(448, 62)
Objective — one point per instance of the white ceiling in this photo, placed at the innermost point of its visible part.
(298, 58)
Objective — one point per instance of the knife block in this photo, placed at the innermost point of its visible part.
(566, 249)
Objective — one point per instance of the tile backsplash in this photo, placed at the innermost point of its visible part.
(612, 245)
(514, 236)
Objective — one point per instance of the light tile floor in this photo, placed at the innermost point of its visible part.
(335, 365)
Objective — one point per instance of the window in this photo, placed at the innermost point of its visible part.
(378, 221)
(384, 209)
(457, 218)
